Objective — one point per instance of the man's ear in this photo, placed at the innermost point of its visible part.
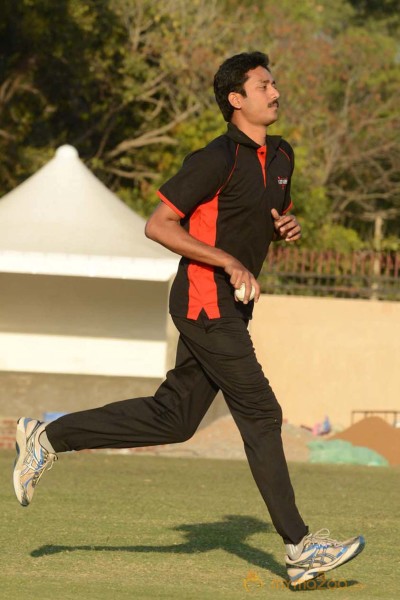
(235, 100)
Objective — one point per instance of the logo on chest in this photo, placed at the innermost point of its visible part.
(282, 181)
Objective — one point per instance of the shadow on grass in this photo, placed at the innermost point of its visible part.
(229, 535)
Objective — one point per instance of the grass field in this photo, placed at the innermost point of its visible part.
(107, 527)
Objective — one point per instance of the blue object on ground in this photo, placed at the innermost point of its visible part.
(52, 416)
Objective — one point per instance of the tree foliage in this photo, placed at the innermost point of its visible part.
(129, 83)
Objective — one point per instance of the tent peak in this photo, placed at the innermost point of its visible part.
(64, 209)
(67, 151)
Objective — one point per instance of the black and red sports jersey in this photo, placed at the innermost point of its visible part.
(224, 194)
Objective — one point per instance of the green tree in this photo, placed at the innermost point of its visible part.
(129, 83)
(340, 112)
(57, 68)
(114, 78)
(377, 12)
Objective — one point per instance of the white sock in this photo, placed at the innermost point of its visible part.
(44, 441)
(294, 550)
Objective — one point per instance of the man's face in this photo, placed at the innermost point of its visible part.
(260, 105)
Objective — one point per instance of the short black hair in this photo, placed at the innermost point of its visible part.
(232, 75)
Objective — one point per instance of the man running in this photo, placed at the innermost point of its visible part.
(220, 213)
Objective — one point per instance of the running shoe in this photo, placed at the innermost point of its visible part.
(320, 554)
(32, 459)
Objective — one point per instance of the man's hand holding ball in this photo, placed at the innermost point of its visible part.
(241, 292)
(244, 282)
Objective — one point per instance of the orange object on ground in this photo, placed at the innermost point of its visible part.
(376, 434)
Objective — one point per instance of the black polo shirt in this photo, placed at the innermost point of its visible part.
(224, 194)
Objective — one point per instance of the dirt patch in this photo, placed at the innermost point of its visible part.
(376, 434)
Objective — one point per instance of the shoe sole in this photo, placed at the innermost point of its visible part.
(314, 573)
(20, 446)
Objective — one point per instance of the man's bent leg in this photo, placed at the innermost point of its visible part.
(171, 415)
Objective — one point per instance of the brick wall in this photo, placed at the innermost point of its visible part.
(7, 433)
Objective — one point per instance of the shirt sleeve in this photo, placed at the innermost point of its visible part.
(202, 174)
(288, 203)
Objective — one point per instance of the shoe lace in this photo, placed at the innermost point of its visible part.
(39, 466)
(321, 537)
(48, 463)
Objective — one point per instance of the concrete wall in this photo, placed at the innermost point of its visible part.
(329, 356)
(72, 343)
(33, 394)
(87, 326)
(322, 356)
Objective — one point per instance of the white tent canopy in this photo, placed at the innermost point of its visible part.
(64, 221)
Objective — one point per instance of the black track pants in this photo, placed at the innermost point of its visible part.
(212, 355)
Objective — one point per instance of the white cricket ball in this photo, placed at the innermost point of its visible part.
(239, 294)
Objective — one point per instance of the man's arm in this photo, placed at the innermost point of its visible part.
(164, 227)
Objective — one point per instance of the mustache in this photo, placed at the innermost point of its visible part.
(274, 103)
